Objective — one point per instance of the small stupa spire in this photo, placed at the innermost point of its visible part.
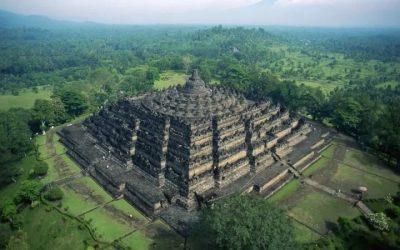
(195, 75)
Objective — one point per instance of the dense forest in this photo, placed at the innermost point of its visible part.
(347, 79)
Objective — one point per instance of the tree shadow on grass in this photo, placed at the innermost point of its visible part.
(164, 238)
(331, 226)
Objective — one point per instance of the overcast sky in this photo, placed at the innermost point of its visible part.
(259, 12)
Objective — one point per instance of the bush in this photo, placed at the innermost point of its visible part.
(29, 191)
(40, 169)
(378, 221)
(54, 194)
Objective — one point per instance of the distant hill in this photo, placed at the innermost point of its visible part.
(13, 20)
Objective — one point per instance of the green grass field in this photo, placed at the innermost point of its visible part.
(170, 78)
(328, 152)
(125, 207)
(285, 191)
(50, 230)
(25, 99)
(319, 210)
(361, 169)
(106, 226)
(316, 166)
(76, 204)
(324, 86)
(304, 234)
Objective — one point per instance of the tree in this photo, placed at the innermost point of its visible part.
(18, 241)
(5, 235)
(29, 191)
(346, 114)
(74, 102)
(54, 194)
(15, 142)
(247, 222)
(40, 169)
(46, 112)
(8, 210)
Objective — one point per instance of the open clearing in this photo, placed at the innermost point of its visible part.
(170, 78)
(25, 99)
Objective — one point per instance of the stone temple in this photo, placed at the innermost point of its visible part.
(168, 152)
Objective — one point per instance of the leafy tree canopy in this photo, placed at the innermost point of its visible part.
(246, 222)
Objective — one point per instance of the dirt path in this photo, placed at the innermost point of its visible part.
(59, 164)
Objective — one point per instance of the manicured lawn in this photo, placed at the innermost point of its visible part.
(76, 203)
(349, 179)
(170, 78)
(129, 210)
(328, 152)
(106, 226)
(79, 203)
(72, 165)
(164, 236)
(138, 240)
(51, 230)
(319, 210)
(60, 149)
(316, 166)
(40, 140)
(95, 188)
(304, 234)
(24, 99)
(157, 235)
(285, 192)
(52, 173)
(362, 169)
(370, 163)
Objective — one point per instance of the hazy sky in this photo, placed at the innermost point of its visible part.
(269, 12)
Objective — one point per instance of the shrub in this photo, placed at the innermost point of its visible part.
(40, 169)
(29, 191)
(8, 210)
(379, 221)
(54, 194)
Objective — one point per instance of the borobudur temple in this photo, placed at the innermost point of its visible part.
(168, 152)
